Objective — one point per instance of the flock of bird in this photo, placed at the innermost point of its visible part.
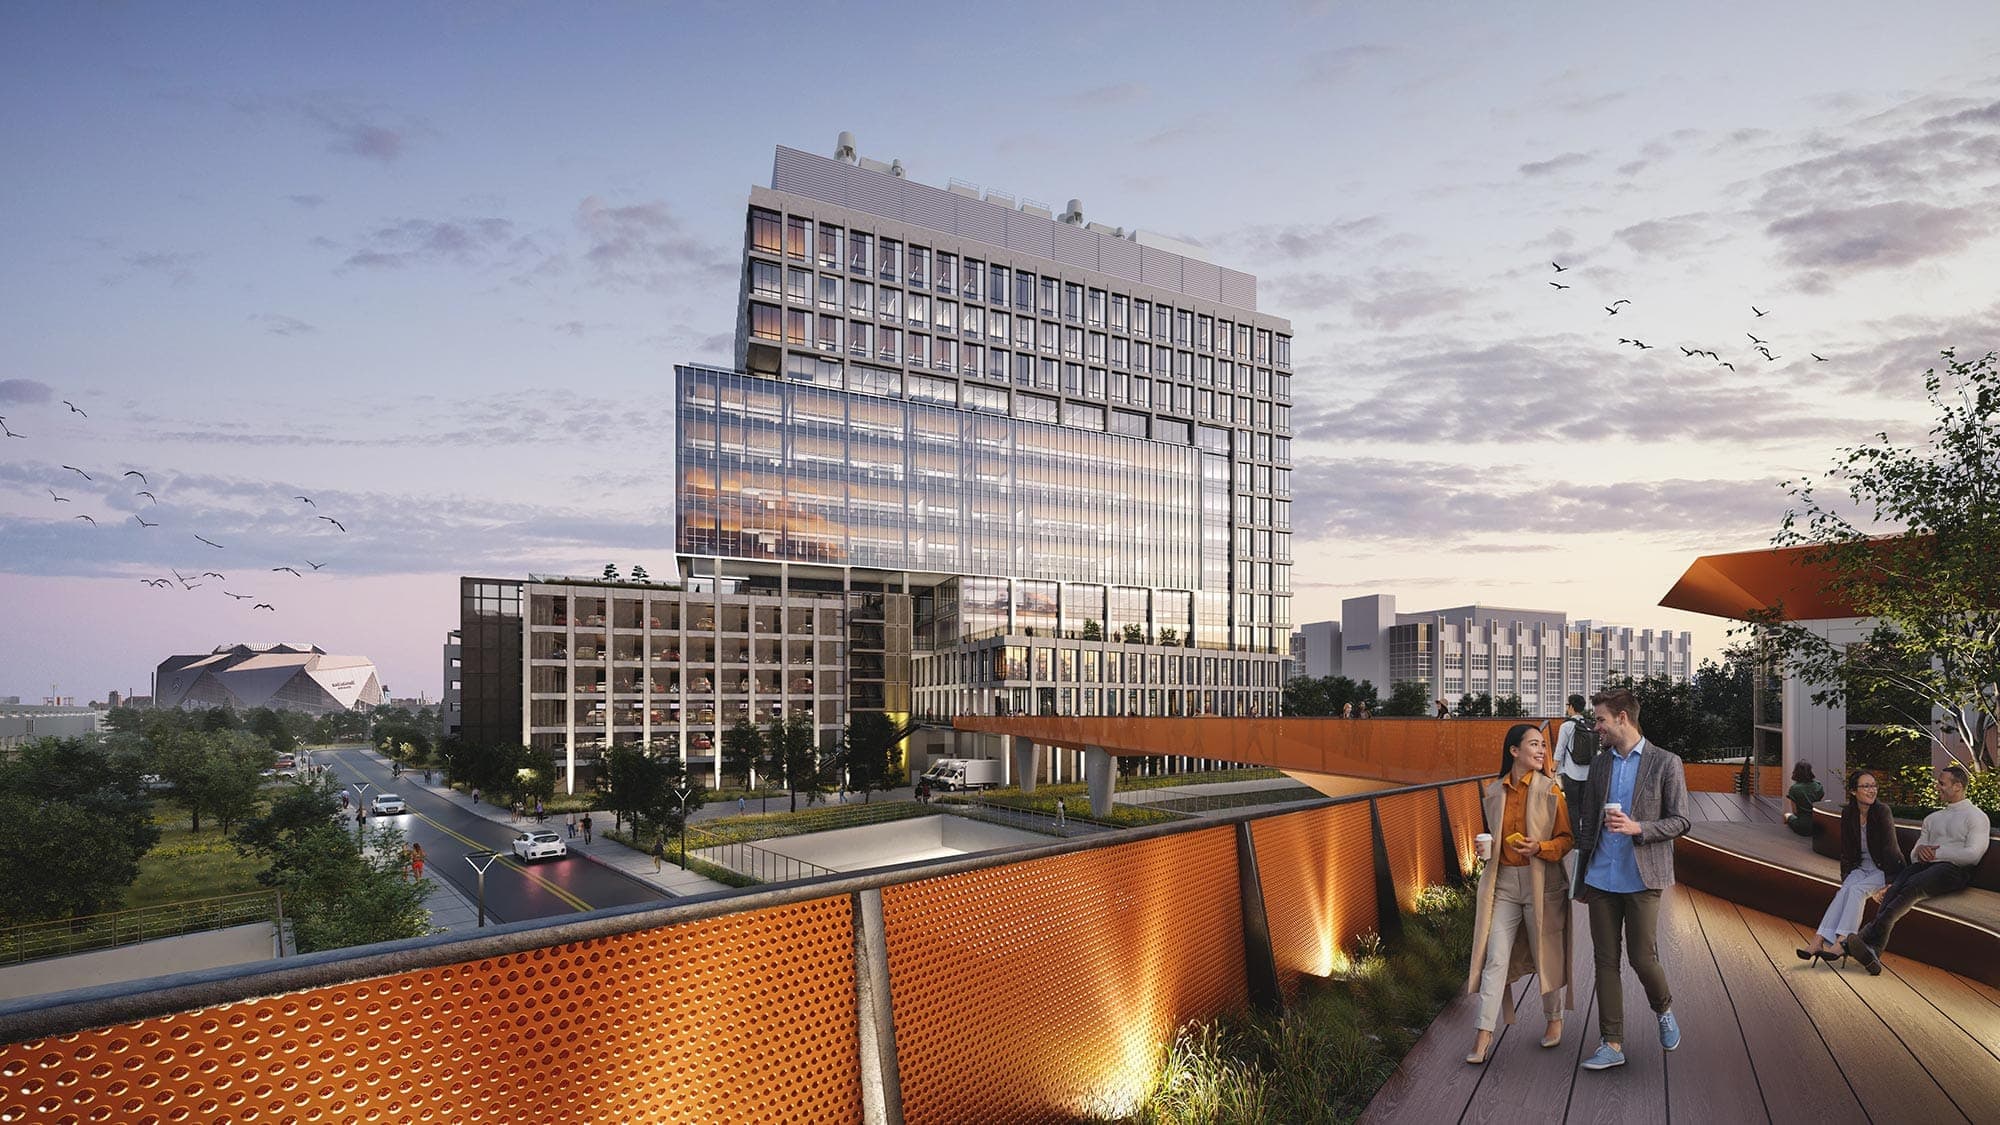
(1762, 346)
(185, 582)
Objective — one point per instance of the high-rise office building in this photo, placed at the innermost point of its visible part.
(1035, 465)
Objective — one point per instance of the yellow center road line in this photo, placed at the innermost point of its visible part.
(509, 862)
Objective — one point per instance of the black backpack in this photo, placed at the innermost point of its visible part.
(1582, 742)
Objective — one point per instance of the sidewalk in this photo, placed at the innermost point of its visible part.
(610, 853)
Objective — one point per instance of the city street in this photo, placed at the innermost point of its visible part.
(448, 832)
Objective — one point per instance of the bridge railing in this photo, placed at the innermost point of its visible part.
(1032, 984)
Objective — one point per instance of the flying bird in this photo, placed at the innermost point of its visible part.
(73, 408)
(137, 473)
(265, 605)
(210, 574)
(1558, 285)
(286, 569)
(79, 472)
(192, 585)
(1688, 351)
(1623, 340)
(92, 522)
(1759, 312)
(240, 597)
(1755, 340)
(147, 495)
(211, 543)
(58, 499)
(1640, 344)
(1817, 356)
(8, 432)
(1622, 301)
(142, 520)
(314, 565)
(1560, 268)
(307, 499)
(1769, 356)
(1727, 364)
(157, 583)
(334, 522)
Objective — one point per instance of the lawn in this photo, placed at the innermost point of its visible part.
(1076, 805)
(188, 865)
(1207, 777)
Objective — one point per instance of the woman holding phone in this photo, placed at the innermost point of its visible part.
(1522, 919)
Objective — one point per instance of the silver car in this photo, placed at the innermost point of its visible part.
(388, 804)
(539, 843)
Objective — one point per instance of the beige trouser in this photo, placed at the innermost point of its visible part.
(1513, 919)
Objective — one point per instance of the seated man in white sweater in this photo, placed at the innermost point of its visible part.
(1953, 842)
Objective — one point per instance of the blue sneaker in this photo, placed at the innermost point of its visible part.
(1606, 1057)
(1670, 1031)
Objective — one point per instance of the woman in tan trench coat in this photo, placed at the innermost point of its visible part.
(1522, 924)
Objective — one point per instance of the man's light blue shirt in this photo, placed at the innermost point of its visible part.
(1614, 866)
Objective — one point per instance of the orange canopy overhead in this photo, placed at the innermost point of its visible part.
(1736, 584)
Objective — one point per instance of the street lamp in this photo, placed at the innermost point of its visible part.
(682, 793)
(480, 861)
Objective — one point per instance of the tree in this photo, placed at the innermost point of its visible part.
(270, 726)
(1409, 699)
(633, 783)
(668, 812)
(1509, 707)
(218, 772)
(1666, 710)
(742, 750)
(1170, 636)
(1923, 567)
(871, 751)
(74, 821)
(1135, 634)
(1092, 631)
(1325, 695)
(792, 755)
(1474, 706)
(340, 888)
(610, 572)
(639, 574)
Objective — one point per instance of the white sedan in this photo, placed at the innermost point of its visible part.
(388, 804)
(539, 843)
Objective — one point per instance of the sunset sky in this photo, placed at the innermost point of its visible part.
(431, 266)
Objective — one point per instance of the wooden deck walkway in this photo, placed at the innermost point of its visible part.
(1765, 1036)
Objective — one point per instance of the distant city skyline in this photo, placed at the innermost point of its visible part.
(348, 254)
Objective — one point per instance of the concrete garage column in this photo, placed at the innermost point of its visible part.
(1102, 770)
(1027, 763)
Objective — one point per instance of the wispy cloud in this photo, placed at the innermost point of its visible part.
(278, 324)
(645, 246)
(1877, 236)
(25, 391)
(402, 243)
(1554, 164)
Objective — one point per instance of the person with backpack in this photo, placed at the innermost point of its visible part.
(1576, 745)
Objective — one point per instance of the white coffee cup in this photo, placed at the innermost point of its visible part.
(1483, 844)
(1611, 807)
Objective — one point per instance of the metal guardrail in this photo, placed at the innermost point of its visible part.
(1027, 820)
(747, 859)
(1240, 799)
(64, 936)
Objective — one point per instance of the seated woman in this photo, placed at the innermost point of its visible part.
(1804, 794)
(1870, 854)
(1522, 919)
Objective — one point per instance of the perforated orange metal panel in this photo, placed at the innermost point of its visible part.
(1043, 991)
(745, 1017)
(1415, 840)
(1318, 871)
(1468, 819)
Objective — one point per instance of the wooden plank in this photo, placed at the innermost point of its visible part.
(1954, 997)
(1797, 1074)
(1633, 1093)
(1527, 1082)
(1942, 1047)
(1710, 1078)
(1891, 1083)
(1433, 1082)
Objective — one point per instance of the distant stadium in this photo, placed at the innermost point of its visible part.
(283, 677)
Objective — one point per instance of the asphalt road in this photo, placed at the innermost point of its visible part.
(514, 891)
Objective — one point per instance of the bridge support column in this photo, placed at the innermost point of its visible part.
(1102, 771)
(1027, 763)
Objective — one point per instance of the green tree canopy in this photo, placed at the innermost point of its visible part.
(742, 750)
(872, 751)
(1911, 541)
(1326, 695)
(791, 747)
(74, 821)
(1408, 699)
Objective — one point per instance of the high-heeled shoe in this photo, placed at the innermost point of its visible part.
(1553, 1035)
(1809, 954)
(1478, 1057)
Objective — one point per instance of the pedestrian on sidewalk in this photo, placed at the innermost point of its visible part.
(515, 812)
(739, 804)
(586, 828)
(475, 794)
(540, 813)
(659, 852)
(417, 860)
(427, 776)
(343, 803)
(571, 825)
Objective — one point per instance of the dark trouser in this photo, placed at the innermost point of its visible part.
(1573, 798)
(1911, 886)
(1638, 915)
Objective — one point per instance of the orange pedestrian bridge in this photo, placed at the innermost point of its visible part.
(1409, 751)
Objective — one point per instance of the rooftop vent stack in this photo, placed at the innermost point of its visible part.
(896, 169)
(843, 149)
(1074, 214)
